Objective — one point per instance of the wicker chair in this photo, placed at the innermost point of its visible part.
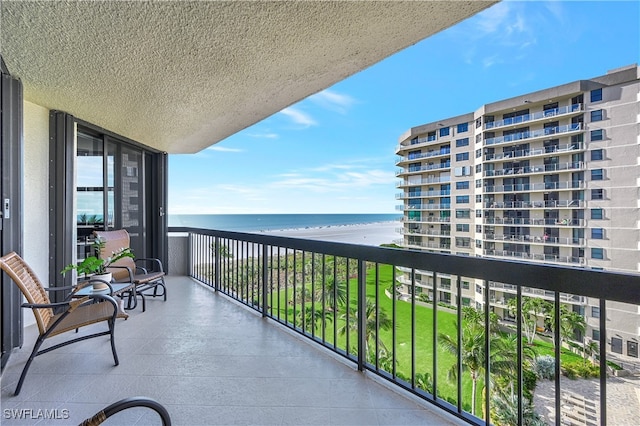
(123, 404)
(146, 273)
(56, 318)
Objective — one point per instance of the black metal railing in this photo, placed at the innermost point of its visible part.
(408, 317)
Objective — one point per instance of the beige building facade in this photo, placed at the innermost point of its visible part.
(549, 177)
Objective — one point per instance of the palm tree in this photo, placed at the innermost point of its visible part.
(532, 309)
(571, 324)
(376, 320)
(472, 354)
(589, 349)
(334, 294)
(505, 411)
(311, 318)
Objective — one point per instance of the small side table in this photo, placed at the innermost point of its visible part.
(119, 289)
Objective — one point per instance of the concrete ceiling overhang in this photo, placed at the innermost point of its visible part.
(180, 76)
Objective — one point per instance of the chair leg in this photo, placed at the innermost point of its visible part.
(112, 328)
(34, 353)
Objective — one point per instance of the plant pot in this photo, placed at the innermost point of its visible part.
(104, 277)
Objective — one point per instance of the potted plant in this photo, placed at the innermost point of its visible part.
(95, 266)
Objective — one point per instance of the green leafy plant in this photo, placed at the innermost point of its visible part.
(95, 264)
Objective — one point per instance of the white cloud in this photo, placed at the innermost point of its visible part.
(333, 101)
(266, 135)
(223, 149)
(299, 117)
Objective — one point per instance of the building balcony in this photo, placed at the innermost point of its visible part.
(428, 154)
(565, 130)
(572, 299)
(425, 232)
(424, 168)
(534, 239)
(253, 334)
(546, 168)
(549, 204)
(542, 152)
(428, 206)
(424, 181)
(532, 222)
(536, 116)
(536, 187)
(422, 194)
(427, 219)
(536, 257)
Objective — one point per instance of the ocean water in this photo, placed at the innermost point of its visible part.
(272, 222)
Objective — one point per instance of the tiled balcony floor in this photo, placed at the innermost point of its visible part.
(209, 362)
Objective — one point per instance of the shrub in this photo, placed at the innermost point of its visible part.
(423, 297)
(545, 367)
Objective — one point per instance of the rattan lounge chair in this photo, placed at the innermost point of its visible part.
(123, 404)
(146, 273)
(56, 318)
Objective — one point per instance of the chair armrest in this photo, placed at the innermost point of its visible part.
(66, 287)
(45, 305)
(150, 260)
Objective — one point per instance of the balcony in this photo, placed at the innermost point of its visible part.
(548, 204)
(532, 221)
(426, 168)
(536, 257)
(536, 187)
(257, 335)
(541, 115)
(534, 134)
(558, 149)
(428, 154)
(542, 239)
(575, 165)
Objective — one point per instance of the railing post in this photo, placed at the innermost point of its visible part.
(362, 312)
(265, 279)
(216, 261)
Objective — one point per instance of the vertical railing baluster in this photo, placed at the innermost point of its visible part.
(347, 308)
(603, 362)
(413, 328)
(519, 350)
(377, 301)
(303, 295)
(459, 357)
(362, 314)
(324, 303)
(313, 294)
(435, 337)
(487, 345)
(556, 342)
(265, 279)
(335, 303)
(393, 321)
(217, 263)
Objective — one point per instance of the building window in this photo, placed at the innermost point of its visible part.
(462, 185)
(595, 311)
(632, 349)
(478, 168)
(478, 183)
(465, 285)
(596, 115)
(462, 156)
(479, 229)
(462, 199)
(596, 95)
(431, 136)
(597, 214)
(463, 214)
(478, 213)
(597, 253)
(597, 233)
(478, 153)
(597, 135)
(462, 142)
(597, 174)
(444, 131)
(597, 194)
(616, 345)
(478, 198)
(463, 127)
(462, 227)
(597, 154)
(595, 334)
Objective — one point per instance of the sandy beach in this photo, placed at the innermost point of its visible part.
(371, 234)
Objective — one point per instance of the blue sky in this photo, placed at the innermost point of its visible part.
(334, 152)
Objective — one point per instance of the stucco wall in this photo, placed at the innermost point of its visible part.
(36, 191)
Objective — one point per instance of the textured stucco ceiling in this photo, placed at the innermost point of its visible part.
(182, 75)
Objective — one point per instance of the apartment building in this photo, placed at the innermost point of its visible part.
(549, 177)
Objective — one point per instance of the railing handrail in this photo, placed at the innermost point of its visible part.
(565, 279)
